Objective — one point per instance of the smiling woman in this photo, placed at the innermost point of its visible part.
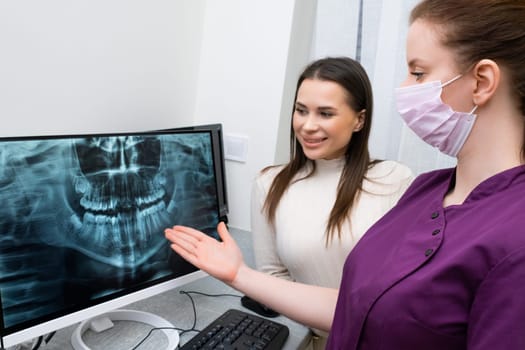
(323, 121)
(322, 201)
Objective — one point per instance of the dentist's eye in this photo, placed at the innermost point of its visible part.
(418, 75)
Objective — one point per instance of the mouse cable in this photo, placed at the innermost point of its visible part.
(156, 329)
(43, 340)
(192, 329)
(210, 295)
(182, 331)
(188, 294)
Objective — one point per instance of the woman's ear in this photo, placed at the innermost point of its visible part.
(360, 120)
(487, 74)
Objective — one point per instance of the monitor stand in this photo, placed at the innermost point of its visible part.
(103, 322)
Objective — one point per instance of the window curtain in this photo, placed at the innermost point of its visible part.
(374, 33)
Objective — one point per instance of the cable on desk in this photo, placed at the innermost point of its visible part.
(43, 340)
(194, 311)
(151, 331)
(211, 295)
(192, 329)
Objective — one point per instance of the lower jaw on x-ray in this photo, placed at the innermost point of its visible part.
(83, 218)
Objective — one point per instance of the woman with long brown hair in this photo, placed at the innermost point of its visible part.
(309, 213)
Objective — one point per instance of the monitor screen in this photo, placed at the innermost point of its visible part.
(82, 220)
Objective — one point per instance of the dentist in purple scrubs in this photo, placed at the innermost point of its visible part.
(445, 268)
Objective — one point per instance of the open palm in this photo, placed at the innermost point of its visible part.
(221, 260)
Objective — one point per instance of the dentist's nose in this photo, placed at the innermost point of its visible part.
(405, 82)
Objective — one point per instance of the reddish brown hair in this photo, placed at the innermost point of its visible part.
(482, 29)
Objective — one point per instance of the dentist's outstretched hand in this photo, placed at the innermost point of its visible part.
(221, 260)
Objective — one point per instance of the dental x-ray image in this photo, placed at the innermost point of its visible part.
(82, 218)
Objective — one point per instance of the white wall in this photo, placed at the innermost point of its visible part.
(298, 57)
(98, 65)
(126, 65)
(246, 64)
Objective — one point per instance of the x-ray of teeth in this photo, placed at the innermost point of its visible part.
(83, 218)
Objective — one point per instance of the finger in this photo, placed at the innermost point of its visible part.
(180, 236)
(186, 255)
(189, 231)
(185, 242)
(169, 234)
(223, 232)
(185, 249)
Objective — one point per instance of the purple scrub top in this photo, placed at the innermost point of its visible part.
(434, 278)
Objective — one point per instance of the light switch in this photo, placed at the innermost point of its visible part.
(236, 148)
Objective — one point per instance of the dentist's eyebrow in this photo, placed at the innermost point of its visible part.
(416, 62)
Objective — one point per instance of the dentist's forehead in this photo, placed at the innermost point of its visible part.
(424, 46)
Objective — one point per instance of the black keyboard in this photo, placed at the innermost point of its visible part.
(236, 329)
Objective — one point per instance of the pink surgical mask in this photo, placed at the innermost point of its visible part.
(431, 119)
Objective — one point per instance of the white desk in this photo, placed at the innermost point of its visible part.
(177, 309)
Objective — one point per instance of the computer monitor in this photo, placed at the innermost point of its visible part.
(82, 221)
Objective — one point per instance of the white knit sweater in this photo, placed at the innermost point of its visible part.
(294, 248)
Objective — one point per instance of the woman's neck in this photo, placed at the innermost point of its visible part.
(471, 172)
(323, 165)
(495, 145)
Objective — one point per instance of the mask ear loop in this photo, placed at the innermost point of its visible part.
(451, 80)
(458, 76)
